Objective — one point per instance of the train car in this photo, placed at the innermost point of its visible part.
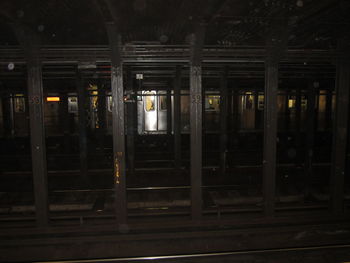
(152, 111)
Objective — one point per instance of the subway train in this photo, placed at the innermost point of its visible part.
(245, 111)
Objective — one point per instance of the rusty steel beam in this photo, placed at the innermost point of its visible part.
(101, 115)
(118, 124)
(177, 118)
(298, 139)
(131, 108)
(37, 136)
(276, 46)
(196, 121)
(340, 130)
(270, 136)
(82, 95)
(223, 121)
(310, 135)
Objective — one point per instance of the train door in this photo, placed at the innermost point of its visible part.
(322, 106)
(162, 111)
(51, 114)
(73, 111)
(150, 111)
(259, 117)
(247, 110)
(212, 112)
(185, 111)
(282, 111)
(21, 123)
(93, 111)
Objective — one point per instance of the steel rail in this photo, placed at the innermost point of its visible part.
(202, 255)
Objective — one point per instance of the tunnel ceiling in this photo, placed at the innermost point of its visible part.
(309, 23)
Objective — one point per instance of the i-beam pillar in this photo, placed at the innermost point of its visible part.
(37, 135)
(196, 121)
(340, 128)
(118, 124)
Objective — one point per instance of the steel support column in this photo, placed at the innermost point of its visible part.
(310, 135)
(196, 121)
(118, 124)
(270, 135)
(235, 110)
(223, 122)
(177, 118)
(329, 109)
(37, 136)
(131, 123)
(276, 43)
(340, 129)
(298, 144)
(64, 121)
(101, 115)
(82, 94)
(169, 113)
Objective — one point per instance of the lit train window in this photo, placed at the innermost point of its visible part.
(149, 101)
(261, 99)
(19, 104)
(212, 103)
(249, 101)
(291, 102)
(72, 104)
(322, 101)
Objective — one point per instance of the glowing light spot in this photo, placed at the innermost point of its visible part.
(53, 99)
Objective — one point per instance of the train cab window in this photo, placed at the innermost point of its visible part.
(19, 103)
(162, 101)
(212, 103)
(72, 104)
(150, 100)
